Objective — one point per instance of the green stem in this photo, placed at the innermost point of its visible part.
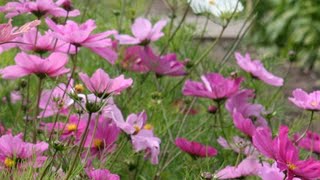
(47, 167)
(83, 138)
(36, 122)
(305, 132)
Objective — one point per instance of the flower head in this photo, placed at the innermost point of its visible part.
(14, 152)
(248, 167)
(147, 142)
(213, 86)
(195, 149)
(52, 66)
(162, 65)
(80, 35)
(8, 33)
(55, 101)
(102, 85)
(102, 174)
(132, 60)
(218, 8)
(306, 101)
(103, 139)
(309, 142)
(256, 69)
(40, 8)
(286, 154)
(143, 32)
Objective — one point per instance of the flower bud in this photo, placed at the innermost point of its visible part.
(212, 109)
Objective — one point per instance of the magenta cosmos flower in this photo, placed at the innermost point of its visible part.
(195, 149)
(282, 150)
(213, 86)
(102, 85)
(103, 140)
(14, 153)
(240, 102)
(55, 101)
(8, 33)
(132, 60)
(306, 101)
(162, 65)
(310, 142)
(102, 174)
(73, 128)
(81, 36)
(52, 66)
(248, 167)
(143, 32)
(245, 125)
(45, 43)
(256, 69)
(147, 142)
(39, 8)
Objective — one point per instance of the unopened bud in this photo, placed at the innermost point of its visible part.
(292, 56)
(206, 175)
(212, 109)
(79, 88)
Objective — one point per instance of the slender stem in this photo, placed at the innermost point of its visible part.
(36, 122)
(93, 135)
(25, 106)
(309, 125)
(221, 119)
(83, 138)
(175, 32)
(118, 153)
(48, 165)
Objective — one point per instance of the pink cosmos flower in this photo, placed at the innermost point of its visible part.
(143, 32)
(102, 174)
(15, 96)
(133, 124)
(16, 153)
(52, 66)
(81, 36)
(213, 86)
(162, 65)
(195, 149)
(239, 145)
(240, 102)
(245, 125)
(102, 85)
(306, 101)
(103, 140)
(268, 172)
(256, 69)
(45, 43)
(147, 142)
(39, 8)
(73, 128)
(248, 167)
(8, 33)
(132, 60)
(310, 142)
(286, 154)
(55, 101)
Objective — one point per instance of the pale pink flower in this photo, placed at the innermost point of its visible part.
(102, 85)
(8, 33)
(147, 142)
(248, 167)
(256, 69)
(143, 32)
(306, 101)
(81, 36)
(14, 153)
(102, 174)
(52, 66)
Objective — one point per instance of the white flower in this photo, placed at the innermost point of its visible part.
(218, 8)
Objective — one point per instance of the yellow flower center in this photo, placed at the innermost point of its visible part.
(148, 127)
(79, 88)
(97, 143)
(137, 128)
(291, 166)
(8, 162)
(314, 103)
(212, 2)
(72, 127)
